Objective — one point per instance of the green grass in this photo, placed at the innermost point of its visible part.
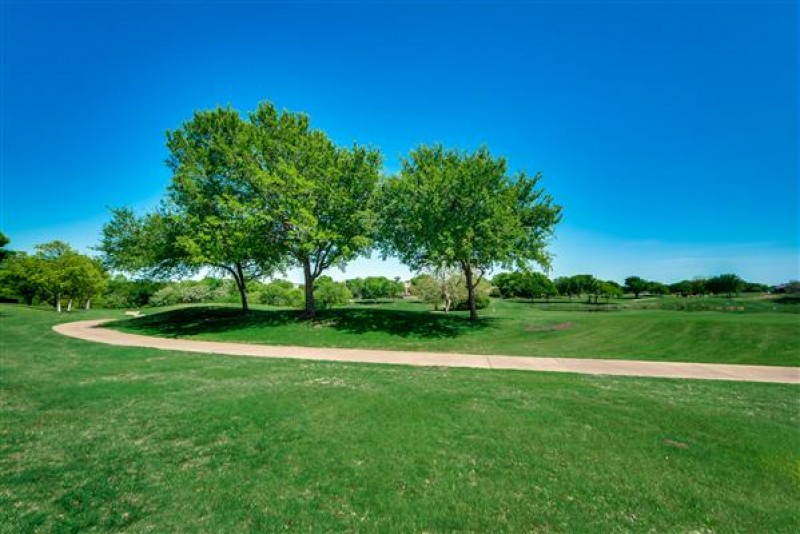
(97, 438)
(636, 330)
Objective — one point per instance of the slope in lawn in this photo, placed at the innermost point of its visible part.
(511, 328)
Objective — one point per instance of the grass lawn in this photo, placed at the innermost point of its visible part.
(94, 437)
(762, 334)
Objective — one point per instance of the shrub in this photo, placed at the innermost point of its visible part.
(328, 293)
(375, 287)
(194, 294)
(114, 300)
(166, 296)
(123, 293)
(482, 300)
(281, 293)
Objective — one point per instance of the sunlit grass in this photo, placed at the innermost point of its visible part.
(626, 330)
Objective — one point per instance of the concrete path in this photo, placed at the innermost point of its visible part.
(89, 331)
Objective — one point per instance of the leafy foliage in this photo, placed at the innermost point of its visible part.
(454, 209)
(329, 293)
(56, 272)
(281, 293)
(209, 217)
(123, 293)
(248, 197)
(636, 285)
(375, 287)
(325, 203)
(4, 252)
(525, 284)
(448, 289)
(728, 284)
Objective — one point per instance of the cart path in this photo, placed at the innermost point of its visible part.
(91, 331)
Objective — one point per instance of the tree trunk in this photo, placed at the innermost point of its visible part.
(311, 310)
(69, 305)
(473, 309)
(241, 285)
(58, 302)
(88, 304)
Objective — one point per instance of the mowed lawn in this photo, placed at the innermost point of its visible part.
(761, 337)
(95, 437)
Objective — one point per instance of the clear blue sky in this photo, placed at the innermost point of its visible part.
(668, 130)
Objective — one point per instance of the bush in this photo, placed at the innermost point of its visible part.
(166, 296)
(194, 293)
(281, 293)
(123, 293)
(181, 293)
(328, 293)
(375, 287)
(115, 300)
(482, 300)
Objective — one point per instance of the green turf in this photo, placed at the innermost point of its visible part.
(569, 330)
(101, 438)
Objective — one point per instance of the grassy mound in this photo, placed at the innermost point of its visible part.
(633, 331)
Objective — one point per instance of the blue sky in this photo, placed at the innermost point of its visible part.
(668, 130)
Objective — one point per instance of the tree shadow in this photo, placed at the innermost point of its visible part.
(401, 323)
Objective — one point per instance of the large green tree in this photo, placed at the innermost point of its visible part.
(325, 201)
(49, 276)
(728, 284)
(55, 273)
(213, 215)
(525, 284)
(19, 276)
(636, 285)
(82, 279)
(457, 209)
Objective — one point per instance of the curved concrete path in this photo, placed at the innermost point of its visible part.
(89, 331)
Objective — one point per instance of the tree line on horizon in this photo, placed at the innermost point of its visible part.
(57, 273)
(537, 285)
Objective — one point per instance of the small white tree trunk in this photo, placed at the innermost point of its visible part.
(88, 304)
(69, 305)
(58, 302)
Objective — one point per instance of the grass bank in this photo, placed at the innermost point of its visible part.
(636, 330)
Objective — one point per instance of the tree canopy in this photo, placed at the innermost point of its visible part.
(325, 204)
(249, 197)
(459, 209)
(210, 217)
(636, 285)
(524, 284)
(54, 273)
(728, 284)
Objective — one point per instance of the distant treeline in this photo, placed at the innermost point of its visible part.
(58, 275)
(537, 285)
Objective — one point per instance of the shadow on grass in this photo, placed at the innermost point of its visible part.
(205, 320)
